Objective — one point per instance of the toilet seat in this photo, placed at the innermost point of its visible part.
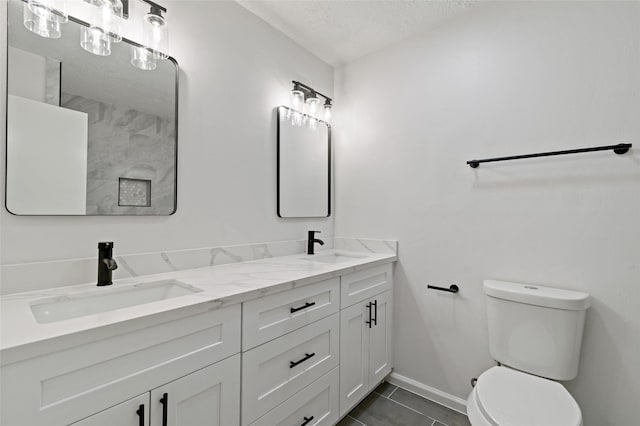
(506, 397)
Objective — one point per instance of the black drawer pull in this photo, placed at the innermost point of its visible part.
(165, 406)
(305, 306)
(306, 357)
(140, 413)
(369, 321)
(306, 420)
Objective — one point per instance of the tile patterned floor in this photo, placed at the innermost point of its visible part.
(390, 405)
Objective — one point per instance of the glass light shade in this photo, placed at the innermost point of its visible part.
(155, 34)
(285, 113)
(297, 118)
(143, 58)
(40, 25)
(107, 16)
(327, 113)
(50, 10)
(312, 105)
(95, 41)
(297, 99)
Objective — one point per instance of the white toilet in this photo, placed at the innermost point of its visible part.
(535, 333)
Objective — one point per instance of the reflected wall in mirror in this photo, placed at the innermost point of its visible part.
(304, 165)
(87, 134)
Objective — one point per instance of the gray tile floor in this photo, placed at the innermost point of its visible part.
(390, 405)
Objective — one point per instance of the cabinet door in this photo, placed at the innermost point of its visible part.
(354, 355)
(380, 340)
(210, 396)
(134, 412)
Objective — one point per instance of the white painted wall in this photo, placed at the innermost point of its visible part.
(235, 69)
(507, 78)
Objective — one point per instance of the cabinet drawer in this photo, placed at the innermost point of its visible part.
(275, 371)
(364, 284)
(317, 405)
(272, 316)
(68, 385)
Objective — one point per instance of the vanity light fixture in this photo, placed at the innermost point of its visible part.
(43, 17)
(303, 96)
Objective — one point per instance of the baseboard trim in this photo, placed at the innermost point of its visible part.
(428, 392)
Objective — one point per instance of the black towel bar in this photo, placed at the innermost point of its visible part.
(621, 148)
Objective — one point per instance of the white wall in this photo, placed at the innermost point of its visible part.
(235, 69)
(503, 79)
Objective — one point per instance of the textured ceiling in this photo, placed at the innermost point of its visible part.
(339, 31)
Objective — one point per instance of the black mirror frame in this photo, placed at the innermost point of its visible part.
(6, 158)
(278, 119)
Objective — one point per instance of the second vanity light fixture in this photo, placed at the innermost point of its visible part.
(44, 18)
(305, 102)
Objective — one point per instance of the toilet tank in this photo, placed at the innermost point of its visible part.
(536, 329)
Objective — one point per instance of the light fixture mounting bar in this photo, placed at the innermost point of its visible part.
(310, 89)
(154, 4)
(125, 7)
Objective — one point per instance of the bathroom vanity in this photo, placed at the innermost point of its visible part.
(289, 340)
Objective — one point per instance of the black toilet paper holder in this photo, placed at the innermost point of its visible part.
(452, 288)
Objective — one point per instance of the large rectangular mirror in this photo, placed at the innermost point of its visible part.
(87, 134)
(304, 165)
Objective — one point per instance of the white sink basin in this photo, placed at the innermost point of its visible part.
(99, 300)
(333, 257)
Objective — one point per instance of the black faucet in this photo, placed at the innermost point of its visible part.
(312, 240)
(106, 263)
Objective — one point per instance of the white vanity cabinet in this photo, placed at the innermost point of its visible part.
(301, 356)
(365, 335)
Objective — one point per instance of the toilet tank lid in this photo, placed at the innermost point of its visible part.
(532, 294)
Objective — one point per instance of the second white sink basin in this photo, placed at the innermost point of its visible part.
(333, 257)
(99, 300)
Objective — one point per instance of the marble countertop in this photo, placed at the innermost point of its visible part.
(222, 285)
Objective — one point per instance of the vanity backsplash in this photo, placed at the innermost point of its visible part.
(22, 277)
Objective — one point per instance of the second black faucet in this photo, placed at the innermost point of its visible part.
(312, 240)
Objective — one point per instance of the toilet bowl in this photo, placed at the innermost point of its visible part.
(506, 397)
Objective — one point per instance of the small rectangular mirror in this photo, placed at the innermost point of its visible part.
(304, 165)
(87, 134)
